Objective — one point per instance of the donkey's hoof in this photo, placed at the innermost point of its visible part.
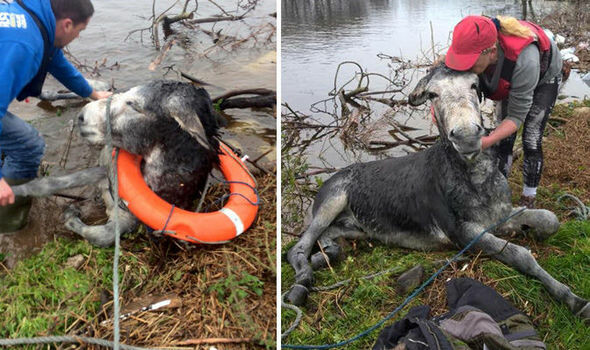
(298, 295)
(319, 261)
(584, 313)
(72, 212)
(545, 222)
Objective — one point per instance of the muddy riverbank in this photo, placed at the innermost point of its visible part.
(105, 51)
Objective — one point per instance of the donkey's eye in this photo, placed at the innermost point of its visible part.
(133, 105)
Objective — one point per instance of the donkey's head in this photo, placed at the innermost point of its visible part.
(151, 114)
(455, 98)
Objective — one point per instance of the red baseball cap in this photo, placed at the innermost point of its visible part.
(470, 37)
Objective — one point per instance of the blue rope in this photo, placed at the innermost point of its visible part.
(241, 195)
(224, 197)
(168, 220)
(225, 182)
(114, 174)
(409, 298)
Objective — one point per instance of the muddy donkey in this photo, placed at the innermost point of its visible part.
(441, 197)
(170, 124)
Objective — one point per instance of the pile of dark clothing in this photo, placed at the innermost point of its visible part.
(479, 318)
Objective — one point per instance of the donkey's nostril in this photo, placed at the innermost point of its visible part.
(81, 118)
(452, 133)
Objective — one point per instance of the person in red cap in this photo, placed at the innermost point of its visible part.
(520, 67)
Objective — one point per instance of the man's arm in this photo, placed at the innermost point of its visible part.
(71, 78)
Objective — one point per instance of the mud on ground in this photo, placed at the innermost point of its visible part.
(567, 159)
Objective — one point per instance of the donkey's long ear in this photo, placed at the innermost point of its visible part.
(420, 93)
(181, 108)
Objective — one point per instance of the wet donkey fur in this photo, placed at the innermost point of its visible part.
(438, 198)
(170, 124)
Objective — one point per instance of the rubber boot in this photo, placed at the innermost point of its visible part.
(15, 216)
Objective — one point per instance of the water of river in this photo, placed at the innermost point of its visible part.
(249, 65)
(319, 34)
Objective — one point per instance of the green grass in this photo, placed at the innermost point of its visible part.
(571, 265)
(337, 315)
(340, 314)
(41, 296)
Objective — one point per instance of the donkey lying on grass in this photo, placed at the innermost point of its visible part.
(441, 197)
(170, 124)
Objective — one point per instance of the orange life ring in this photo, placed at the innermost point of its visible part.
(216, 227)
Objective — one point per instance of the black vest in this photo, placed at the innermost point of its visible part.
(33, 88)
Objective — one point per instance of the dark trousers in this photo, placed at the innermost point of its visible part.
(22, 147)
(532, 136)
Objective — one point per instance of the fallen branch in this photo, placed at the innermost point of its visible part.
(166, 21)
(558, 119)
(317, 172)
(425, 139)
(266, 98)
(216, 19)
(254, 161)
(185, 75)
(245, 92)
(386, 101)
(249, 102)
(264, 171)
(193, 79)
(413, 139)
(162, 54)
(169, 20)
(218, 37)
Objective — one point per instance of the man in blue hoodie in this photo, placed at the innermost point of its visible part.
(32, 34)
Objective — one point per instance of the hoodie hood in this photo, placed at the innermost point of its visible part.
(42, 8)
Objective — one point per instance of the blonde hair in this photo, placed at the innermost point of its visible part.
(511, 26)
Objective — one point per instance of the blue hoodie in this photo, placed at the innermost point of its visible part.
(21, 52)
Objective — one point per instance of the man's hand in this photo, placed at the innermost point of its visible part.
(6, 195)
(98, 95)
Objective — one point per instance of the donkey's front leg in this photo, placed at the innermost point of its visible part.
(99, 235)
(46, 186)
(522, 260)
(298, 255)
